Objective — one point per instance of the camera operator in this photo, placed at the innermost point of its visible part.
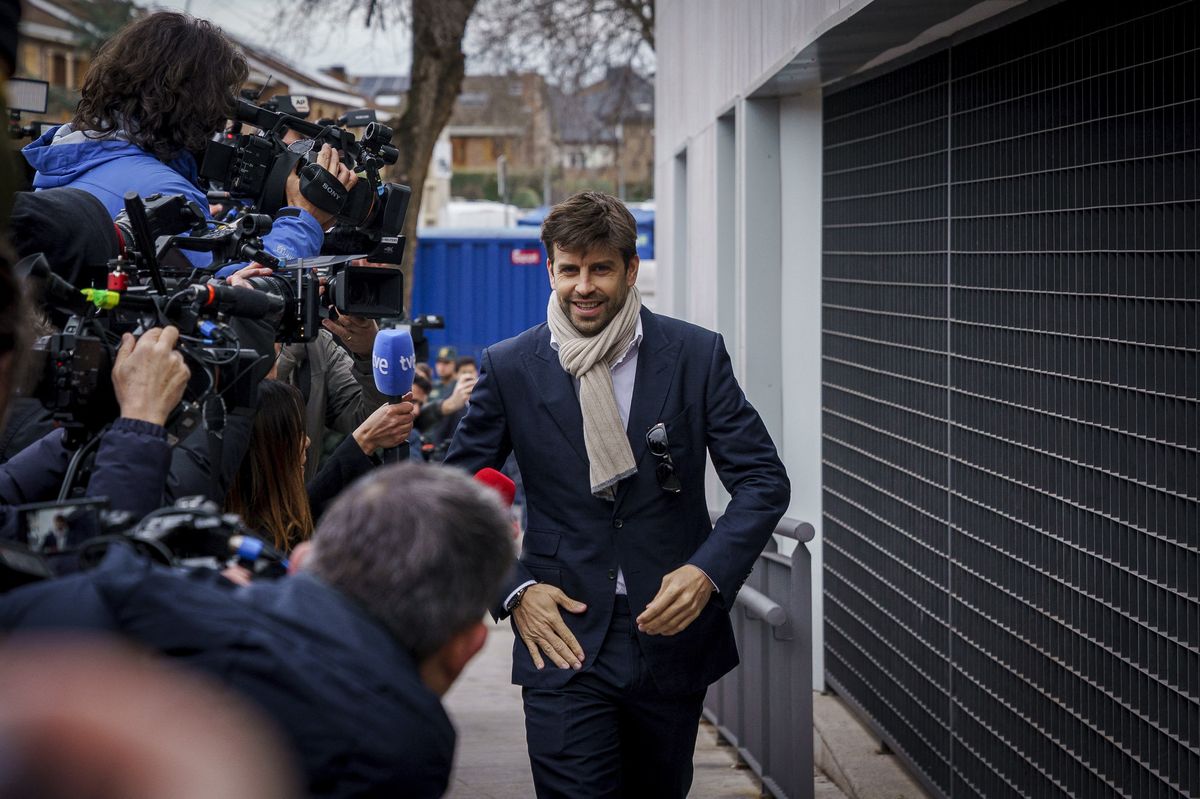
(336, 381)
(149, 377)
(74, 232)
(351, 654)
(153, 97)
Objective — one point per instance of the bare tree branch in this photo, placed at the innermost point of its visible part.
(571, 42)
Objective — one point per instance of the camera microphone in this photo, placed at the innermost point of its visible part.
(393, 363)
(236, 301)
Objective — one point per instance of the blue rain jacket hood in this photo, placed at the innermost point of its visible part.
(110, 166)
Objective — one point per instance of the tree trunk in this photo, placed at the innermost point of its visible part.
(438, 65)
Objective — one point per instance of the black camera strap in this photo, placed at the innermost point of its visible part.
(322, 189)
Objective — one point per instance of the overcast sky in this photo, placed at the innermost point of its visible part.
(326, 43)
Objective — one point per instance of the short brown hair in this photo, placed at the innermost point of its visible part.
(168, 80)
(587, 220)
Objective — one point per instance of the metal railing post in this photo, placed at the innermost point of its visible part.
(764, 707)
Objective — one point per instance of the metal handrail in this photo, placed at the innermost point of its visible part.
(788, 528)
(760, 606)
(764, 708)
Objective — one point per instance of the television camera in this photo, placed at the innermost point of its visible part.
(71, 371)
(256, 166)
(55, 538)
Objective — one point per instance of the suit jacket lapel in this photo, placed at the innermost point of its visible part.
(657, 358)
(555, 389)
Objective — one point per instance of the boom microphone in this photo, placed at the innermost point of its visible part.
(237, 301)
(393, 363)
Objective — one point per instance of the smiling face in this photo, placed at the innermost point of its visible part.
(592, 286)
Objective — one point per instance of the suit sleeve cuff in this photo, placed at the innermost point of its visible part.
(508, 600)
(716, 588)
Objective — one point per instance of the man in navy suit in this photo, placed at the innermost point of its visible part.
(622, 593)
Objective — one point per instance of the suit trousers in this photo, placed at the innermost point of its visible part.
(609, 732)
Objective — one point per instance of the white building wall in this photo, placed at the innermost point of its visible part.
(749, 224)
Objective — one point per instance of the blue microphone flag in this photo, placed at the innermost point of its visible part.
(393, 362)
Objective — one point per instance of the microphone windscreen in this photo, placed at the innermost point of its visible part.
(500, 482)
(393, 362)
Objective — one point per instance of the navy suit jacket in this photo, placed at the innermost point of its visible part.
(526, 403)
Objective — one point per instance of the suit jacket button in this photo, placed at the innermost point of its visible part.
(617, 523)
(612, 574)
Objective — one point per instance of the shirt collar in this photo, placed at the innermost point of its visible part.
(633, 345)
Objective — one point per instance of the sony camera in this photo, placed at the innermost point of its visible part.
(256, 167)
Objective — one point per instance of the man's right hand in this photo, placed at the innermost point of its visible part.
(149, 375)
(240, 278)
(459, 397)
(541, 626)
(328, 158)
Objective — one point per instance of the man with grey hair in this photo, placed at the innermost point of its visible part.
(352, 652)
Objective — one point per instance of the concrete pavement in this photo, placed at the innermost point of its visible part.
(491, 762)
(853, 758)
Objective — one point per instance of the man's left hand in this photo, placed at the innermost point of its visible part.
(356, 333)
(683, 594)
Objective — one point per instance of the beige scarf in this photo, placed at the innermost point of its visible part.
(590, 360)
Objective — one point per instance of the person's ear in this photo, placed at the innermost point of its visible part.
(298, 556)
(441, 669)
(550, 271)
(631, 271)
(464, 646)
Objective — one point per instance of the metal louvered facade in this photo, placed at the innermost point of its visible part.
(1011, 404)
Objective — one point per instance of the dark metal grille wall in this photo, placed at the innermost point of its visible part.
(1012, 405)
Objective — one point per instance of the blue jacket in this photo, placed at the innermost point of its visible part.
(525, 403)
(107, 168)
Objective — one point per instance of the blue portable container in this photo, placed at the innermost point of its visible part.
(488, 283)
(643, 217)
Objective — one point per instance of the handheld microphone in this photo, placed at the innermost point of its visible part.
(498, 481)
(394, 363)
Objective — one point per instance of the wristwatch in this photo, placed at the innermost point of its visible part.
(516, 600)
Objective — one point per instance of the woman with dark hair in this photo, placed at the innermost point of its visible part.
(269, 491)
(152, 98)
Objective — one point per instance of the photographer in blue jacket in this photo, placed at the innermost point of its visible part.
(152, 98)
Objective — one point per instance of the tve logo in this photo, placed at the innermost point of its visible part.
(405, 362)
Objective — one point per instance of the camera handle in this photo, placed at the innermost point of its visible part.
(322, 189)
